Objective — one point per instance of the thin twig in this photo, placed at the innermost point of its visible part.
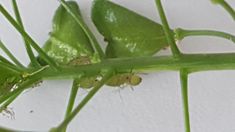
(167, 30)
(42, 54)
(27, 45)
(10, 55)
(184, 94)
(182, 33)
(64, 124)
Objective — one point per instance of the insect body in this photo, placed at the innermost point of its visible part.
(124, 79)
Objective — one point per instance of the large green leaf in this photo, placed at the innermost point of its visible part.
(68, 44)
(67, 40)
(128, 34)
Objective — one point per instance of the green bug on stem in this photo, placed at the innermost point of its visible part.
(124, 79)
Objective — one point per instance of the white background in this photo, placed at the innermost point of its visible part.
(155, 105)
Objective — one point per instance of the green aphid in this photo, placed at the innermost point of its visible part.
(68, 43)
(127, 33)
(89, 82)
(124, 79)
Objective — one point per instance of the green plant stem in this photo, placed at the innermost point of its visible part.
(167, 30)
(192, 62)
(226, 6)
(182, 33)
(10, 55)
(11, 67)
(10, 100)
(29, 39)
(65, 123)
(87, 31)
(72, 98)
(4, 60)
(29, 50)
(184, 90)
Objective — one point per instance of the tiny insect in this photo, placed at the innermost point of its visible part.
(125, 79)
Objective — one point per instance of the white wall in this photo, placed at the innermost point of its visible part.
(155, 105)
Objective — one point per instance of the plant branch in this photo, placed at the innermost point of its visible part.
(10, 55)
(226, 6)
(11, 67)
(72, 98)
(182, 33)
(87, 31)
(29, 50)
(191, 62)
(64, 124)
(4, 60)
(184, 94)
(10, 100)
(29, 39)
(167, 30)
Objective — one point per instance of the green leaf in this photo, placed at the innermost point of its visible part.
(128, 34)
(67, 41)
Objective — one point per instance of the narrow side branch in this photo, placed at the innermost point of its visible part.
(64, 124)
(10, 55)
(226, 6)
(72, 98)
(167, 30)
(184, 94)
(27, 45)
(28, 38)
(182, 33)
